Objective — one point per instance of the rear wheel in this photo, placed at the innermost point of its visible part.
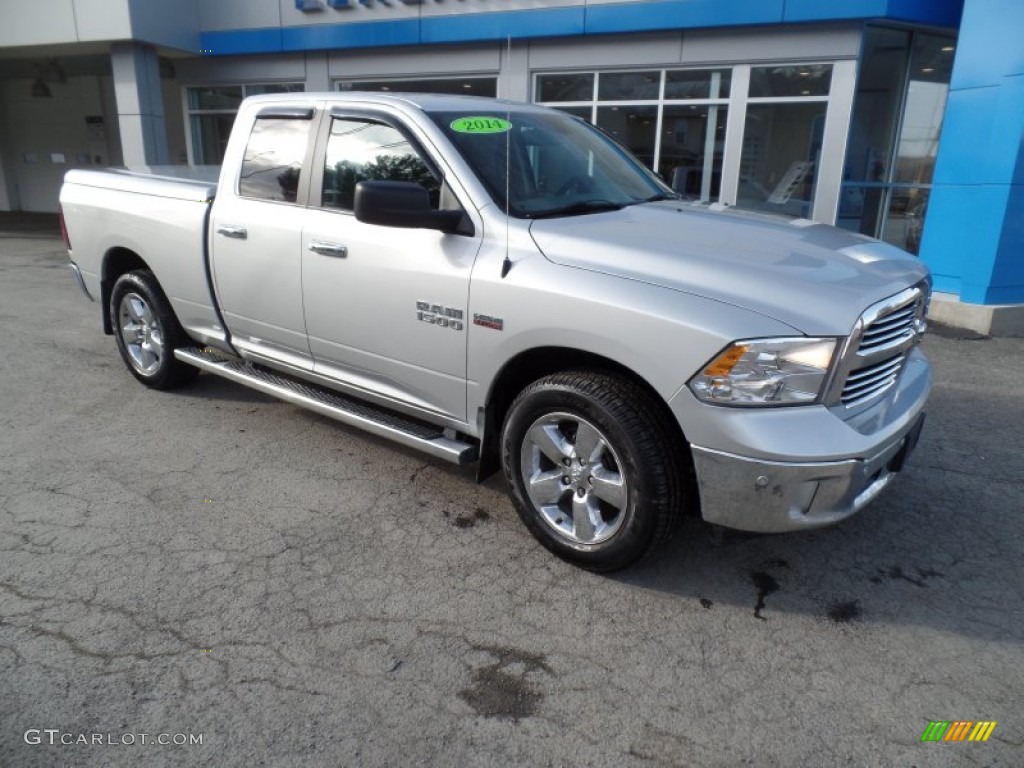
(594, 473)
(147, 332)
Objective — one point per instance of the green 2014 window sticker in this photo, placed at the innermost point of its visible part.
(477, 124)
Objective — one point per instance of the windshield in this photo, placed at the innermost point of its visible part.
(558, 164)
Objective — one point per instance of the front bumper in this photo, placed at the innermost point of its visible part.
(786, 469)
(771, 497)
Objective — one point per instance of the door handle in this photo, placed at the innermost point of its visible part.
(328, 249)
(239, 233)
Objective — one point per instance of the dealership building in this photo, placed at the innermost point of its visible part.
(900, 119)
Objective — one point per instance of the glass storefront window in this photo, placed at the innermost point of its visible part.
(876, 105)
(781, 148)
(790, 80)
(211, 113)
(467, 86)
(633, 127)
(931, 68)
(692, 147)
(697, 84)
(689, 152)
(894, 134)
(566, 87)
(676, 122)
(210, 137)
(904, 221)
(256, 90)
(628, 86)
(583, 112)
(215, 97)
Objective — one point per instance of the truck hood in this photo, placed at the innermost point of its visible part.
(815, 278)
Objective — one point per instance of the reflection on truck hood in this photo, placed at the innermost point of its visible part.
(815, 278)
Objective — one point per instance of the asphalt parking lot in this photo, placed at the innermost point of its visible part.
(212, 562)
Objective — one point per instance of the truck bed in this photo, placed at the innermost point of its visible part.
(159, 214)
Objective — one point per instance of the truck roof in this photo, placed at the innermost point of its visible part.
(428, 102)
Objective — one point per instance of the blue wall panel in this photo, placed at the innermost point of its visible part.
(366, 34)
(974, 232)
(461, 28)
(941, 13)
(680, 14)
(575, 21)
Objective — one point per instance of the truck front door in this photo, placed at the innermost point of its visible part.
(386, 309)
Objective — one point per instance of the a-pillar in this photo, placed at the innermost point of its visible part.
(140, 106)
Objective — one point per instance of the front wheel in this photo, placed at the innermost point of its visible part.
(147, 332)
(594, 473)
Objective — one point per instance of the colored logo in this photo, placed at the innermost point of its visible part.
(958, 730)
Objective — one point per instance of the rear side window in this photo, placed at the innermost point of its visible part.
(363, 150)
(273, 159)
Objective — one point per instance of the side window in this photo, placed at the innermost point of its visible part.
(273, 159)
(362, 150)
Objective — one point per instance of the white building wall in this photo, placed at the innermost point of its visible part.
(52, 135)
(63, 21)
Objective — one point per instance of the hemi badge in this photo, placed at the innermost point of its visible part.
(494, 323)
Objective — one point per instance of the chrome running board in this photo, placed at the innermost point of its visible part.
(416, 434)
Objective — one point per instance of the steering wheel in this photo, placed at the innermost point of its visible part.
(577, 183)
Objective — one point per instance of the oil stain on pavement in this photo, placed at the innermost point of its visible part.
(501, 689)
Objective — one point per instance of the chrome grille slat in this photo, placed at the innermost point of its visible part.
(899, 327)
(889, 329)
(875, 385)
(894, 317)
(882, 341)
(874, 370)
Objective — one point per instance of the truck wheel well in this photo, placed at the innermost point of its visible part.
(527, 367)
(116, 262)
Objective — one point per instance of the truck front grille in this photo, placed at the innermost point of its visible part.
(879, 346)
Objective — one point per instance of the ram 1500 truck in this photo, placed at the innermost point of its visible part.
(501, 283)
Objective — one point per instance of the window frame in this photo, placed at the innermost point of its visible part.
(302, 191)
(319, 157)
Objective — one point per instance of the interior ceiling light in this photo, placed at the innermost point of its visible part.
(948, 48)
(928, 70)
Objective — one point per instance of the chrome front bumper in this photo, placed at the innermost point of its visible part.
(773, 497)
(79, 280)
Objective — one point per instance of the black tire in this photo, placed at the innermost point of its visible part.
(147, 332)
(593, 523)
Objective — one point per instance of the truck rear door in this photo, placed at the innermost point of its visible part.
(256, 237)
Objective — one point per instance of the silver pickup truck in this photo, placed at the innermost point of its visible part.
(500, 283)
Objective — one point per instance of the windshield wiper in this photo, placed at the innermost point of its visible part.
(656, 198)
(575, 209)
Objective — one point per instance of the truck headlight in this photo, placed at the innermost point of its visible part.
(766, 372)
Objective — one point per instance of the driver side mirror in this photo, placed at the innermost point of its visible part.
(404, 204)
